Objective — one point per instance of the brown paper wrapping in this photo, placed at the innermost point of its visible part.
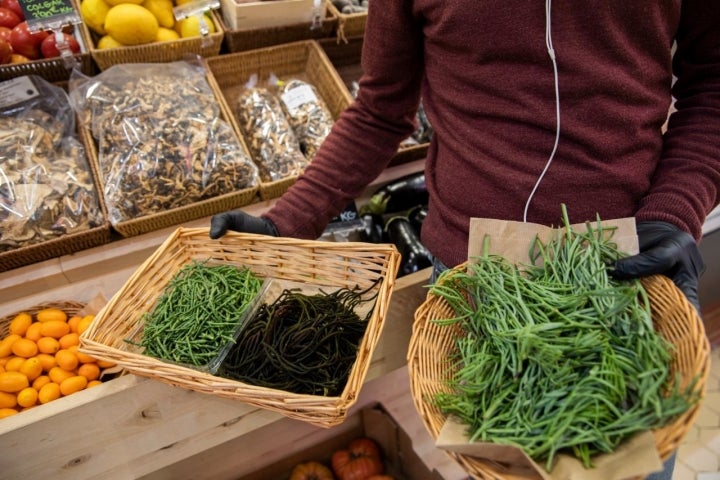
(637, 457)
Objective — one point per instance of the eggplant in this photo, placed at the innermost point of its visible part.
(417, 215)
(399, 196)
(373, 231)
(414, 255)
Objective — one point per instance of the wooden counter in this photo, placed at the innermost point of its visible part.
(133, 427)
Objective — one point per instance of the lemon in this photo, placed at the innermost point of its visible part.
(166, 35)
(106, 41)
(131, 24)
(163, 11)
(93, 13)
(190, 26)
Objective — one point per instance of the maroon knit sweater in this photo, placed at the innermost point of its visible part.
(486, 80)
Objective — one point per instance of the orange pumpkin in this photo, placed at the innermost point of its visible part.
(311, 471)
(360, 460)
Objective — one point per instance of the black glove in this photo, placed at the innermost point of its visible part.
(667, 250)
(240, 221)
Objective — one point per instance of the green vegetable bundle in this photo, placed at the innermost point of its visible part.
(198, 312)
(557, 356)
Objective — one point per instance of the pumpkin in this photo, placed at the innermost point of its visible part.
(361, 459)
(311, 471)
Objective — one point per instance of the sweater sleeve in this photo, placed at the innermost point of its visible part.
(685, 184)
(367, 134)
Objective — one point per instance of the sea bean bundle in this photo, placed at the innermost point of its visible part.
(198, 312)
(301, 343)
(557, 356)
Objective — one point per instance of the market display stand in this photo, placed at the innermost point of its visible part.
(133, 427)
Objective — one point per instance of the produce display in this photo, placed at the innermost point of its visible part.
(157, 151)
(198, 313)
(301, 342)
(121, 23)
(40, 361)
(361, 459)
(46, 189)
(19, 45)
(556, 356)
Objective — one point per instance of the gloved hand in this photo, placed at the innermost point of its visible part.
(240, 221)
(667, 250)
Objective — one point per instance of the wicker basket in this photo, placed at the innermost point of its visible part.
(178, 215)
(157, 52)
(71, 242)
(674, 317)
(312, 262)
(304, 60)
(349, 24)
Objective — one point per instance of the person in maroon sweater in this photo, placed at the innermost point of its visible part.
(533, 105)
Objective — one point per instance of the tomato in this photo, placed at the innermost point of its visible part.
(358, 461)
(8, 18)
(26, 43)
(13, 5)
(311, 471)
(5, 52)
(49, 48)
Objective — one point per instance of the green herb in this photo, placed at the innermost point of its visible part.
(556, 354)
(301, 343)
(198, 312)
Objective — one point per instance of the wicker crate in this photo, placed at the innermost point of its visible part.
(345, 58)
(673, 316)
(349, 24)
(71, 242)
(157, 52)
(54, 69)
(304, 60)
(311, 262)
(175, 216)
(243, 39)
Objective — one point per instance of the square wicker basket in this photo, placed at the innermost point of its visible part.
(349, 24)
(304, 60)
(311, 262)
(673, 316)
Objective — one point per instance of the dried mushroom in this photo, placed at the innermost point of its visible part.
(46, 189)
(307, 113)
(162, 143)
(270, 137)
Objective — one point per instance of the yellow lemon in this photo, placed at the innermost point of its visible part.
(163, 11)
(106, 41)
(166, 35)
(93, 13)
(131, 24)
(118, 2)
(190, 26)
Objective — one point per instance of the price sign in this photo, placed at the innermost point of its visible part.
(45, 14)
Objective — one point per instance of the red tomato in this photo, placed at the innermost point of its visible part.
(5, 52)
(5, 33)
(26, 43)
(8, 18)
(13, 5)
(358, 461)
(311, 471)
(49, 49)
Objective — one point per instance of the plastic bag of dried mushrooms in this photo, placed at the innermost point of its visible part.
(162, 142)
(46, 188)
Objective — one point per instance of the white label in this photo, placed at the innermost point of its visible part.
(297, 96)
(17, 90)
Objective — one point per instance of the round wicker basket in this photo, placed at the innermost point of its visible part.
(673, 316)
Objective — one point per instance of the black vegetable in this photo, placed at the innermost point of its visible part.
(400, 195)
(414, 255)
(373, 230)
(417, 216)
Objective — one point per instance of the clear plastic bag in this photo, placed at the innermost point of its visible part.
(162, 142)
(46, 186)
(270, 137)
(308, 114)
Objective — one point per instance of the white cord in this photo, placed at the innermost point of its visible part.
(551, 53)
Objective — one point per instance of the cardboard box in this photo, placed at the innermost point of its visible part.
(245, 15)
(401, 461)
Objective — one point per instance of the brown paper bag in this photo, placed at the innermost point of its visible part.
(637, 457)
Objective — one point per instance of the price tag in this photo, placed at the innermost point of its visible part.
(49, 14)
(17, 90)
